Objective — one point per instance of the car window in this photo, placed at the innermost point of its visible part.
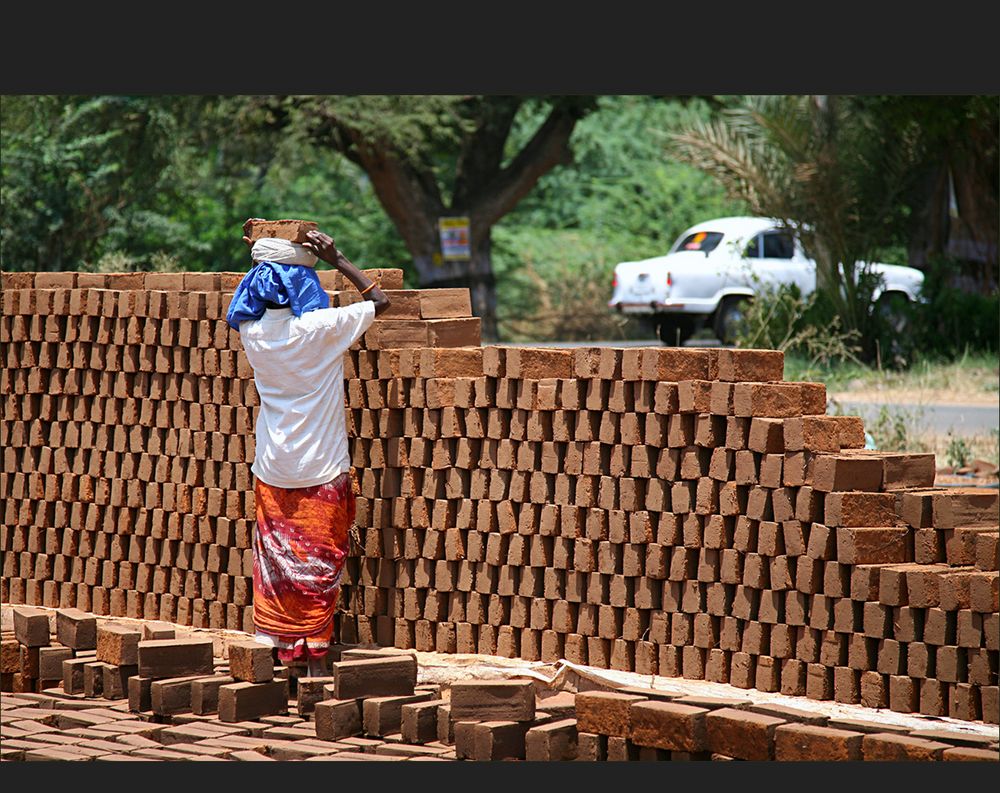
(778, 245)
(753, 249)
(703, 241)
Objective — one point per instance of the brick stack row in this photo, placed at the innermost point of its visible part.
(127, 433)
(672, 512)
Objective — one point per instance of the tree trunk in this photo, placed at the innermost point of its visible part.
(476, 275)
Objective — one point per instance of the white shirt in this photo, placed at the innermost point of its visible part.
(298, 367)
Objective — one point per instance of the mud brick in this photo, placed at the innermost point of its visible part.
(810, 742)
(766, 436)
(887, 746)
(73, 674)
(966, 753)
(556, 740)
(915, 508)
(880, 545)
(842, 472)
(812, 433)
(338, 718)
(157, 631)
(309, 691)
(874, 690)
(987, 551)
(538, 364)
(50, 661)
(118, 644)
(465, 747)
(922, 584)
(743, 670)
(31, 626)
(667, 725)
(76, 629)
(246, 701)
(939, 627)
(983, 594)
(605, 712)
(292, 230)
(140, 694)
(951, 664)
(965, 507)
(670, 364)
(904, 694)
(741, 734)
(251, 662)
(115, 682)
(892, 585)
(750, 365)
(419, 721)
(383, 715)
(990, 703)
(964, 702)
(954, 590)
(171, 695)
(907, 470)
(512, 700)
(379, 677)
(969, 629)
(773, 400)
(499, 740)
(175, 657)
(860, 509)
(93, 679)
(444, 303)
(205, 693)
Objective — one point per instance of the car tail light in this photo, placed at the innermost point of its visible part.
(670, 281)
(614, 280)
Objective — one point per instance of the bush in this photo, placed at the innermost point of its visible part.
(780, 318)
(951, 320)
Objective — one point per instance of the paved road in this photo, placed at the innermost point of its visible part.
(940, 417)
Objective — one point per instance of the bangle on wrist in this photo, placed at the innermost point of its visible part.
(368, 288)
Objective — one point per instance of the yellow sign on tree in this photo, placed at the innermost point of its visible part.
(454, 238)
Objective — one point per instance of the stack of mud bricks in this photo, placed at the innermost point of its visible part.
(674, 512)
(373, 695)
(684, 513)
(637, 725)
(127, 437)
(34, 655)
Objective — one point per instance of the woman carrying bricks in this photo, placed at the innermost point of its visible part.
(295, 343)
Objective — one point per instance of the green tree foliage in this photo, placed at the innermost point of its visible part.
(83, 176)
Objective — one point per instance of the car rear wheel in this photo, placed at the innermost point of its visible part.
(729, 317)
(674, 329)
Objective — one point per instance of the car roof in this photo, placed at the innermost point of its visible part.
(742, 226)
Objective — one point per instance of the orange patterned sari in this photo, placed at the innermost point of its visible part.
(299, 550)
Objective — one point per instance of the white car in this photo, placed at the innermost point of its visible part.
(714, 268)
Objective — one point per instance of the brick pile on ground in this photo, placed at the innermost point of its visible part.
(684, 512)
(372, 708)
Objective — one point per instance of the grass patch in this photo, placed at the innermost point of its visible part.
(973, 378)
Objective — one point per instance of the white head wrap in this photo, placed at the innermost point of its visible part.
(272, 249)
